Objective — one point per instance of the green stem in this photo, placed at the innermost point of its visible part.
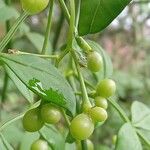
(6, 78)
(58, 31)
(7, 25)
(65, 9)
(12, 31)
(84, 145)
(61, 56)
(48, 28)
(119, 109)
(38, 55)
(86, 82)
(82, 84)
(66, 117)
(70, 47)
(78, 3)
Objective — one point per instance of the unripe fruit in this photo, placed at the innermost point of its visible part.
(50, 114)
(114, 139)
(34, 6)
(94, 61)
(90, 145)
(106, 88)
(32, 121)
(101, 102)
(81, 127)
(98, 114)
(39, 145)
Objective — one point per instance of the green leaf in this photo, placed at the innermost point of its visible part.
(21, 87)
(37, 40)
(95, 15)
(127, 138)
(41, 77)
(54, 137)
(5, 142)
(140, 115)
(107, 69)
(27, 139)
(7, 13)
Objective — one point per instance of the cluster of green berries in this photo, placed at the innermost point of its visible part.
(34, 119)
(82, 126)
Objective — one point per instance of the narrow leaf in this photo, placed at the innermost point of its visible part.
(21, 87)
(5, 143)
(41, 77)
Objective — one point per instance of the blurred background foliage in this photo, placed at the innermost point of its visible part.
(127, 40)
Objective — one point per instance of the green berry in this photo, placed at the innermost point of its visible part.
(101, 102)
(32, 121)
(98, 114)
(94, 61)
(106, 88)
(39, 145)
(34, 6)
(50, 114)
(81, 127)
(90, 145)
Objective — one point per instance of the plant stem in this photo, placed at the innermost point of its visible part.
(65, 9)
(8, 26)
(38, 55)
(6, 78)
(61, 56)
(78, 3)
(70, 46)
(84, 145)
(58, 31)
(12, 31)
(48, 28)
(82, 84)
(119, 109)
(66, 117)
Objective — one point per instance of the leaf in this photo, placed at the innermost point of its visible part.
(54, 137)
(5, 143)
(7, 13)
(41, 77)
(21, 87)
(95, 15)
(127, 139)
(107, 69)
(70, 146)
(140, 115)
(27, 139)
(37, 40)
